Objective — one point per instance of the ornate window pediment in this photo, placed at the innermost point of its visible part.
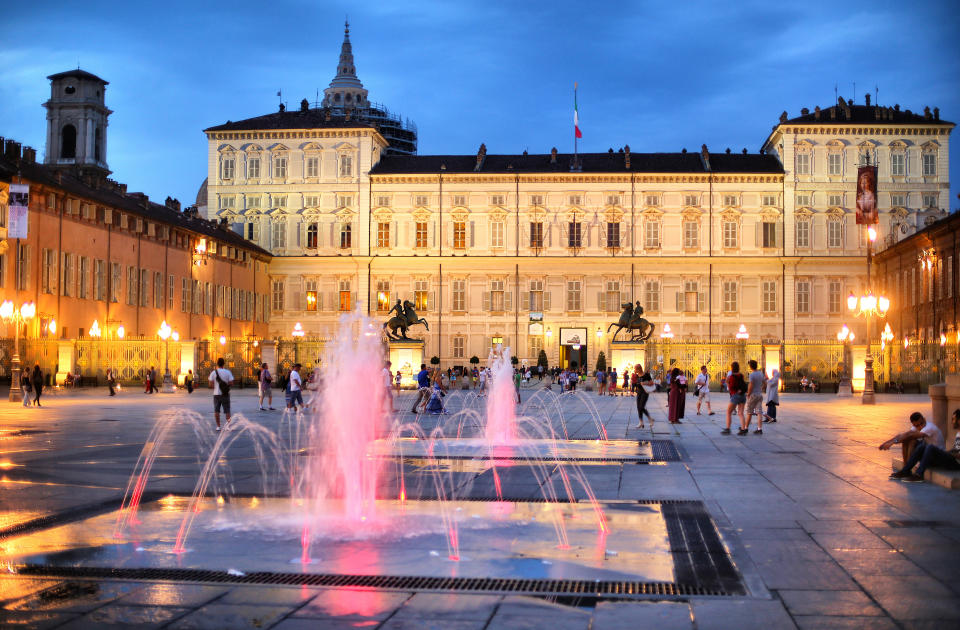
(836, 144)
(280, 213)
(835, 213)
(310, 146)
(804, 145)
(313, 213)
(900, 212)
(771, 214)
(253, 213)
(930, 145)
(344, 147)
(898, 145)
(575, 214)
(731, 214)
(252, 148)
(692, 214)
(383, 215)
(613, 215)
(344, 214)
(652, 213)
(498, 214)
(226, 148)
(803, 213)
(421, 215)
(278, 147)
(229, 215)
(460, 214)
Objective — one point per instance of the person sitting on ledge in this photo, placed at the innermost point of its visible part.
(921, 431)
(927, 455)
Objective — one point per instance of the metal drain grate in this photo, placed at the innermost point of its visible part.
(69, 516)
(394, 582)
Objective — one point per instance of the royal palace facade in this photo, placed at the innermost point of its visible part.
(539, 251)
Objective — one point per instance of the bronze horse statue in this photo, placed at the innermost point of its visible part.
(633, 320)
(403, 321)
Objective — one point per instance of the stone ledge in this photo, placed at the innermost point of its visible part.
(949, 479)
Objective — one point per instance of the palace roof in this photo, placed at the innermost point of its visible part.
(846, 113)
(589, 163)
(318, 118)
(78, 73)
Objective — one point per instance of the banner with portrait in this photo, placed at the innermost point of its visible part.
(867, 213)
(19, 199)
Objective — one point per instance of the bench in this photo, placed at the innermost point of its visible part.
(949, 479)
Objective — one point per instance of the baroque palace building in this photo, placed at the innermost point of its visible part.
(539, 251)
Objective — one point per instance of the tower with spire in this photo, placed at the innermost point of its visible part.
(345, 91)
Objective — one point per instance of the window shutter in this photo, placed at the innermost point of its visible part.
(701, 301)
(473, 232)
(353, 300)
(432, 233)
(546, 300)
(600, 306)
(393, 234)
(333, 241)
(525, 300)
(779, 231)
(759, 233)
(486, 301)
(508, 301)
(302, 234)
(256, 230)
(549, 234)
(407, 240)
(680, 300)
(431, 301)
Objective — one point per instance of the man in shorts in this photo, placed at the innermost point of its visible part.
(702, 383)
(266, 387)
(755, 397)
(221, 399)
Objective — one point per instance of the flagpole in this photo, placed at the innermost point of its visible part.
(576, 158)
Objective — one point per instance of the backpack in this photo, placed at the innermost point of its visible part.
(224, 388)
(740, 384)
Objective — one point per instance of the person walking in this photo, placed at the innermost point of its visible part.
(26, 387)
(516, 384)
(702, 384)
(37, 382)
(188, 381)
(773, 396)
(387, 385)
(643, 394)
(755, 397)
(146, 382)
(601, 382)
(737, 388)
(396, 381)
(612, 382)
(674, 397)
(265, 382)
(111, 382)
(221, 379)
(295, 388)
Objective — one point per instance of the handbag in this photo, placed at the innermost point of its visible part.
(649, 387)
(224, 388)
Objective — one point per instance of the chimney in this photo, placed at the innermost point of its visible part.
(896, 107)
(11, 150)
(481, 156)
(804, 111)
(283, 107)
(744, 150)
(728, 150)
(553, 155)
(172, 203)
(626, 157)
(29, 155)
(304, 105)
(868, 99)
(783, 117)
(936, 113)
(123, 189)
(326, 116)
(926, 113)
(816, 113)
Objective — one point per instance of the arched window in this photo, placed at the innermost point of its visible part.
(68, 142)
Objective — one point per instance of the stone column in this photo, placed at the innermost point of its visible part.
(65, 360)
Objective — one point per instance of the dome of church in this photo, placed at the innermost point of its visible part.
(202, 195)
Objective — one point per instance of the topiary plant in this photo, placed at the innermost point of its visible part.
(601, 362)
(542, 359)
(434, 360)
(514, 360)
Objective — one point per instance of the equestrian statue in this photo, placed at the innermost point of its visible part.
(405, 318)
(632, 319)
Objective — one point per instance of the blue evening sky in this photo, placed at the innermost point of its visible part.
(659, 76)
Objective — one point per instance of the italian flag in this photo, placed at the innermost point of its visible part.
(576, 115)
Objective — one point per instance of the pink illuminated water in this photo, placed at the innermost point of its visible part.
(501, 425)
(351, 415)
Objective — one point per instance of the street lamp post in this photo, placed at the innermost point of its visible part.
(16, 316)
(164, 333)
(846, 337)
(867, 306)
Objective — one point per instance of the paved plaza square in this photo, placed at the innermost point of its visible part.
(814, 533)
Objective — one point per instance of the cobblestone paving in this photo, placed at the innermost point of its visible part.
(821, 537)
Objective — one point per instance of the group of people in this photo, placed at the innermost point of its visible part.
(923, 446)
(751, 394)
(31, 384)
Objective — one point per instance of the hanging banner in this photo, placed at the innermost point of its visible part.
(867, 196)
(4, 199)
(17, 219)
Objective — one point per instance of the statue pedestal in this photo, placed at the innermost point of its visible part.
(406, 356)
(625, 354)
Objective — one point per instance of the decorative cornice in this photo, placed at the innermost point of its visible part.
(563, 178)
(360, 132)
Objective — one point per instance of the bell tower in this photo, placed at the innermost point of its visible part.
(77, 123)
